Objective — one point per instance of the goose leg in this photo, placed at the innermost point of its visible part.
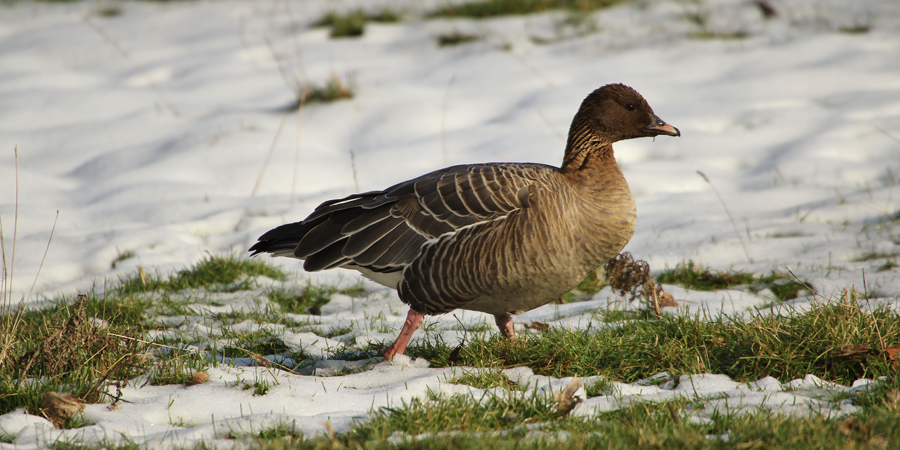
(505, 324)
(413, 322)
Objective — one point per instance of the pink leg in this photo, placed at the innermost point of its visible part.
(413, 322)
(505, 324)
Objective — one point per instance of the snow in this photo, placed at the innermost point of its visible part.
(797, 126)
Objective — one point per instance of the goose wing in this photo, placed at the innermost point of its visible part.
(384, 231)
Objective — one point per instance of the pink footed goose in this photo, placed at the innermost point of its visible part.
(501, 238)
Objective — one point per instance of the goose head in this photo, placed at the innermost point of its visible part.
(617, 112)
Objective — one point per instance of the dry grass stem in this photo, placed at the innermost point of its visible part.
(297, 149)
(550, 125)
(730, 217)
(444, 119)
(532, 69)
(262, 170)
(353, 166)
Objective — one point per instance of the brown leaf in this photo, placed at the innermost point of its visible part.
(566, 399)
(853, 425)
(846, 427)
(198, 378)
(665, 299)
(894, 355)
(540, 326)
(261, 360)
(853, 351)
(893, 396)
(59, 408)
(878, 441)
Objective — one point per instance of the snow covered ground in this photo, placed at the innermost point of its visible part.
(149, 132)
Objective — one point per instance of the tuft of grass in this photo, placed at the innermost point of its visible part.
(700, 278)
(872, 256)
(492, 8)
(210, 272)
(888, 265)
(786, 347)
(311, 299)
(175, 365)
(724, 35)
(486, 379)
(455, 38)
(259, 388)
(70, 353)
(108, 10)
(333, 90)
(353, 23)
(121, 256)
(279, 431)
(783, 286)
(858, 28)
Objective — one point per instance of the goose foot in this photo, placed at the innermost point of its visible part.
(413, 322)
(505, 324)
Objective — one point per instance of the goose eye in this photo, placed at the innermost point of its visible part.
(630, 107)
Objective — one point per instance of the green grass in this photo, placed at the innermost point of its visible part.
(212, 272)
(353, 23)
(859, 28)
(311, 299)
(121, 256)
(334, 89)
(745, 350)
(493, 8)
(837, 342)
(485, 379)
(70, 353)
(455, 38)
(80, 346)
(873, 255)
(701, 278)
(529, 422)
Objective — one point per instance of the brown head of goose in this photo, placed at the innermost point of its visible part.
(502, 238)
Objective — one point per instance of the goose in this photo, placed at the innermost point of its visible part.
(500, 238)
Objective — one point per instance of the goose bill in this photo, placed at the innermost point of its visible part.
(658, 126)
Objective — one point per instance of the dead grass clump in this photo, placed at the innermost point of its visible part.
(69, 351)
(632, 278)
